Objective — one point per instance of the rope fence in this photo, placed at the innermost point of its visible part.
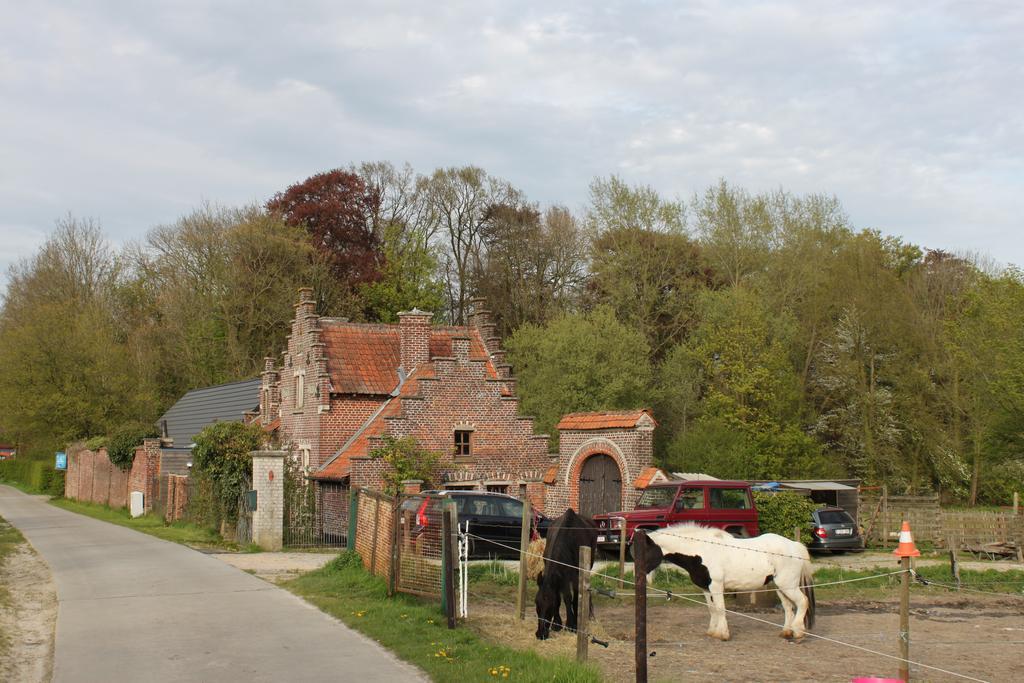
(699, 598)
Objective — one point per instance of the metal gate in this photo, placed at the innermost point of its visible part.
(600, 486)
(314, 517)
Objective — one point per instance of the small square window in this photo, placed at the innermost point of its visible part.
(462, 443)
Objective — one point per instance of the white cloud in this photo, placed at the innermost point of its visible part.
(912, 115)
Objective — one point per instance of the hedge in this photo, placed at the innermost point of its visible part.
(35, 475)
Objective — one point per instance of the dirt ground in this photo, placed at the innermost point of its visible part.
(981, 637)
(28, 617)
(276, 567)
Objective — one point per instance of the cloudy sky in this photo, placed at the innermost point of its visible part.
(134, 112)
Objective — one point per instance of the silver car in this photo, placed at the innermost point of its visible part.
(835, 530)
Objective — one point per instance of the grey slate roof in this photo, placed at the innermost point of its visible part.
(200, 407)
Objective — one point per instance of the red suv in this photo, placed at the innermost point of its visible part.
(727, 505)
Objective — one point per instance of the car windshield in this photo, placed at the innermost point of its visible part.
(834, 517)
(656, 498)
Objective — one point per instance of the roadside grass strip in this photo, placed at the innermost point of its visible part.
(417, 632)
(177, 532)
(10, 539)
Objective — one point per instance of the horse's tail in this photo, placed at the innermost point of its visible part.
(807, 586)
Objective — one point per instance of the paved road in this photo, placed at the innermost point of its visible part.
(132, 607)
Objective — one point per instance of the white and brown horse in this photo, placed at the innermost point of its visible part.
(717, 563)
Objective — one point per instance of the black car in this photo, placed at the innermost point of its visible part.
(835, 530)
(495, 520)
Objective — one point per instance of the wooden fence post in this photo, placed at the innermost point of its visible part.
(1016, 502)
(396, 521)
(796, 534)
(954, 564)
(449, 531)
(640, 542)
(524, 543)
(885, 516)
(622, 552)
(583, 615)
(353, 517)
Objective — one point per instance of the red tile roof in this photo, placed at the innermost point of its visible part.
(647, 476)
(364, 358)
(612, 419)
(272, 426)
(359, 444)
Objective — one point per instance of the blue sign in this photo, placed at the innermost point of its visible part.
(62, 460)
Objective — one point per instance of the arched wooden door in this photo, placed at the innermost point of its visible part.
(600, 486)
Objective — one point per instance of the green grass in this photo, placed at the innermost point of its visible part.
(178, 532)
(993, 580)
(10, 539)
(416, 631)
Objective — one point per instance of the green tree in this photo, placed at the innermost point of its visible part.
(222, 460)
(457, 201)
(532, 267)
(748, 422)
(987, 342)
(579, 362)
(211, 295)
(68, 373)
(406, 460)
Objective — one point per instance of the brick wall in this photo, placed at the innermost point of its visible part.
(93, 478)
(177, 497)
(145, 472)
(374, 531)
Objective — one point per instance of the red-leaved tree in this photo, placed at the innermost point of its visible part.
(336, 208)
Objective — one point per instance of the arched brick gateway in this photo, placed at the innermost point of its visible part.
(590, 444)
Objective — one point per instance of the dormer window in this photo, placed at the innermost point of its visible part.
(463, 443)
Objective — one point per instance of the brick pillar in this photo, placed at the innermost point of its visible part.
(412, 486)
(268, 481)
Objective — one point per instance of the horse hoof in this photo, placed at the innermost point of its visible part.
(786, 634)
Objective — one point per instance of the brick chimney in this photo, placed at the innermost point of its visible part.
(414, 334)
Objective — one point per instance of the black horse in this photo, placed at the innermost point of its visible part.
(560, 581)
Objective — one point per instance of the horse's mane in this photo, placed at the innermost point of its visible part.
(694, 530)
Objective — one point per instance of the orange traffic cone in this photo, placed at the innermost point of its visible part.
(906, 548)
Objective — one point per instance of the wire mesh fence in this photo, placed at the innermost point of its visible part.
(419, 545)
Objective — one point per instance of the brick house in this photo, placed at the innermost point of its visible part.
(339, 387)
